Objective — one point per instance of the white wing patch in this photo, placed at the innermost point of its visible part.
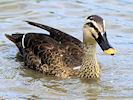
(23, 41)
(77, 67)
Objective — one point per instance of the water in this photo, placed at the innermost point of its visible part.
(18, 82)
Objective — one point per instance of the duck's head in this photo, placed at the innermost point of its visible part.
(94, 31)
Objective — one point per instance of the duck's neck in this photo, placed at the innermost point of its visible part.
(90, 68)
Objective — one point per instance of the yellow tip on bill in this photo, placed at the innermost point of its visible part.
(110, 51)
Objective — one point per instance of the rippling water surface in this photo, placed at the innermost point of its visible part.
(18, 82)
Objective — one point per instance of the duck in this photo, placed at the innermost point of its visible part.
(62, 55)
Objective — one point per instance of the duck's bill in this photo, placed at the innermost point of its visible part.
(110, 51)
(104, 44)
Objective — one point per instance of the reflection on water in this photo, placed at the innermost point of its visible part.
(18, 82)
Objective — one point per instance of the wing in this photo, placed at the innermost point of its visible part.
(58, 35)
(49, 50)
(44, 48)
(73, 46)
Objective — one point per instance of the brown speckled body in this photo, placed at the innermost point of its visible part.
(48, 56)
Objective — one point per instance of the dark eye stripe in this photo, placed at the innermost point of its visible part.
(92, 25)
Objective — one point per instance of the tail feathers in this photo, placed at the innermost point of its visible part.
(15, 37)
(17, 40)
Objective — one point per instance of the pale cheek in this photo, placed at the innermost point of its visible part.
(94, 33)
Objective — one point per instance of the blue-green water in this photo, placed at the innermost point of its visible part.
(20, 83)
